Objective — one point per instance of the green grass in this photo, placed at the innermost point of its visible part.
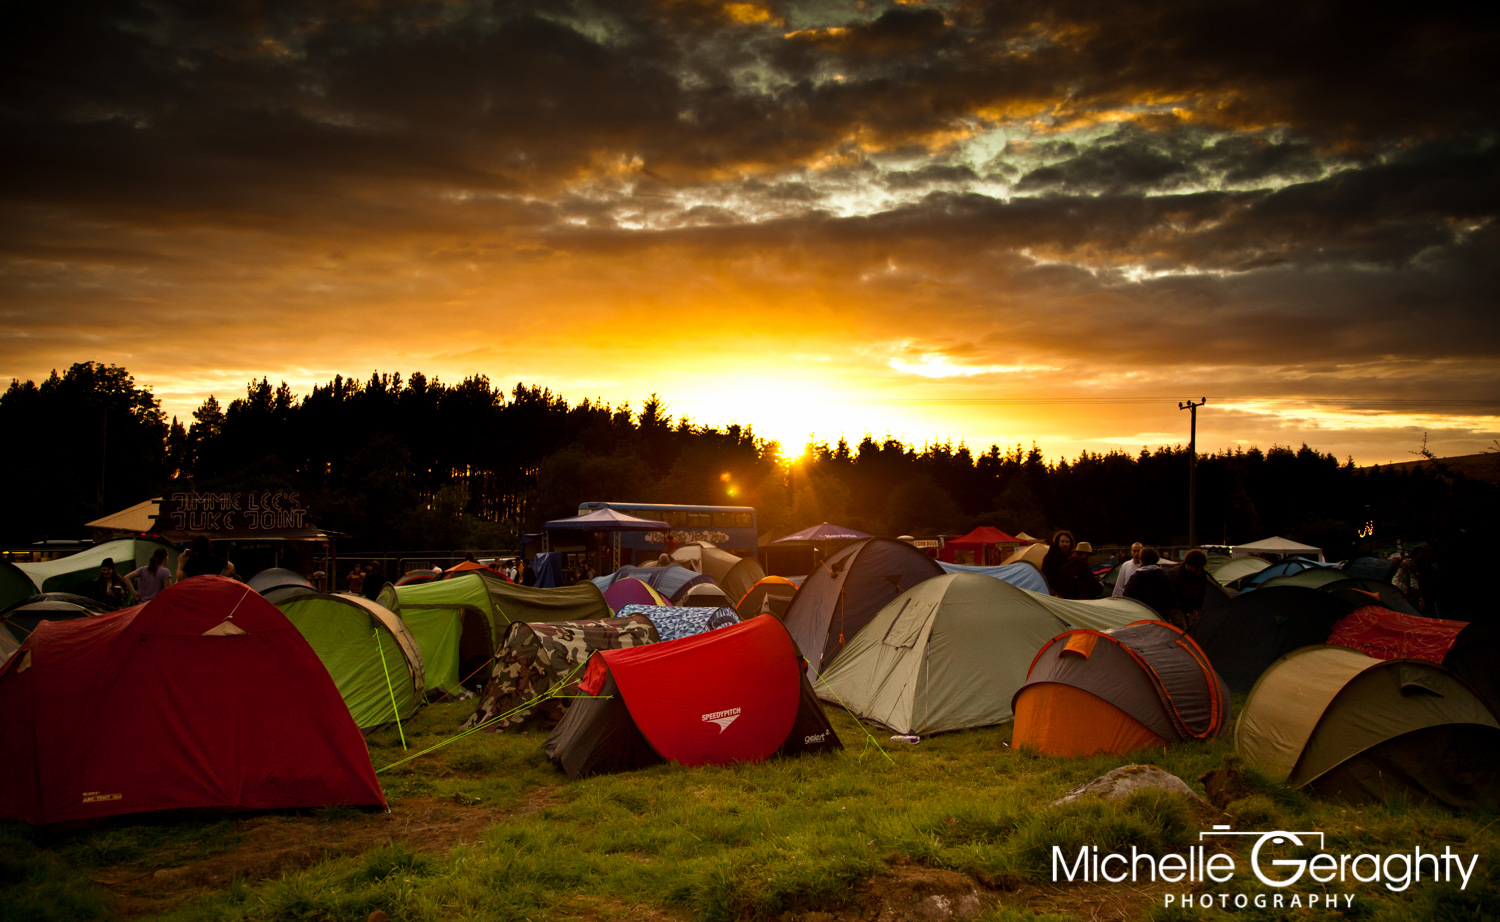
(727, 843)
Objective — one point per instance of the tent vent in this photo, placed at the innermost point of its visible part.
(1081, 644)
(225, 628)
(25, 663)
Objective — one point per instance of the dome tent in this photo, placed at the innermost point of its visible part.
(732, 695)
(368, 651)
(847, 590)
(949, 653)
(1350, 726)
(1144, 684)
(204, 697)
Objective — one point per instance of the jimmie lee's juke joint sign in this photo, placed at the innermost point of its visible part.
(249, 513)
(1295, 869)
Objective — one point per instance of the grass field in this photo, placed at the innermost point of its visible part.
(955, 827)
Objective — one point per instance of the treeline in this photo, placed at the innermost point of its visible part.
(400, 463)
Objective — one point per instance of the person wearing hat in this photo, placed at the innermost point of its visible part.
(1076, 579)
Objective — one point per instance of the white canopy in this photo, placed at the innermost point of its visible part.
(1275, 545)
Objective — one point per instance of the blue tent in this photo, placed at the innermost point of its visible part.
(672, 581)
(1021, 575)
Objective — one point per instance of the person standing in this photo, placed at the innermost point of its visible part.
(1057, 555)
(147, 581)
(1150, 586)
(1076, 577)
(200, 560)
(1189, 588)
(1127, 569)
(357, 581)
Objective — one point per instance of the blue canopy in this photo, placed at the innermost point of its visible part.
(819, 534)
(606, 520)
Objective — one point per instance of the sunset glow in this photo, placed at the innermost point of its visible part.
(916, 220)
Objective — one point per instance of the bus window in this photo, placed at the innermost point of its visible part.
(700, 520)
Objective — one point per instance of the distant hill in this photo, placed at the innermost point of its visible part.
(1483, 467)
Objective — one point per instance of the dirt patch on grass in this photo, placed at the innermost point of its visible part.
(274, 844)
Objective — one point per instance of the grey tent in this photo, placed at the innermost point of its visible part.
(949, 653)
(276, 578)
(1356, 728)
(846, 591)
(735, 575)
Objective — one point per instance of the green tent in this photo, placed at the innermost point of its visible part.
(1227, 570)
(373, 659)
(951, 652)
(15, 585)
(1312, 578)
(1357, 728)
(459, 622)
(77, 572)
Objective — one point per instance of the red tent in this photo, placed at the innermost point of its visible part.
(206, 696)
(737, 694)
(988, 546)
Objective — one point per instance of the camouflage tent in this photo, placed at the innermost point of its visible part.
(535, 655)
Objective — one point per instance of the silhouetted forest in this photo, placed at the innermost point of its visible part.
(400, 463)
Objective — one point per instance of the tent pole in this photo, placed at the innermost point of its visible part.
(390, 688)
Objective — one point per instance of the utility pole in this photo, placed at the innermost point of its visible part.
(1193, 468)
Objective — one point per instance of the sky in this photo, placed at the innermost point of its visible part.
(1038, 221)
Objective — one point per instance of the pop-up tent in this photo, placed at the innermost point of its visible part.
(735, 695)
(769, 596)
(77, 572)
(1230, 570)
(949, 653)
(533, 657)
(1033, 554)
(1244, 635)
(845, 592)
(1356, 728)
(204, 697)
(371, 655)
(1143, 685)
(8, 643)
(735, 575)
(1022, 575)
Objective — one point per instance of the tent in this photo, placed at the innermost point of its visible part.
(204, 697)
(276, 578)
(15, 585)
(1246, 634)
(1311, 577)
(535, 656)
(671, 581)
(1033, 554)
(847, 590)
(631, 591)
(706, 595)
(949, 653)
(984, 546)
(417, 576)
(769, 596)
(1143, 685)
(736, 695)
(466, 566)
(1469, 651)
(24, 616)
(77, 572)
(675, 622)
(735, 575)
(1361, 592)
(1350, 726)
(371, 655)
(1283, 547)
(1022, 575)
(1229, 569)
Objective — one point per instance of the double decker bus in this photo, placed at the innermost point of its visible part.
(729, 527)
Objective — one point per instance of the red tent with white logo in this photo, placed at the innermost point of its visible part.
(737, 694)
(204, 697)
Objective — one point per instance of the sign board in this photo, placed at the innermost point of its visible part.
(236, 514)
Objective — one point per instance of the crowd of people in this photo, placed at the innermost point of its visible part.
(1175, 595)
